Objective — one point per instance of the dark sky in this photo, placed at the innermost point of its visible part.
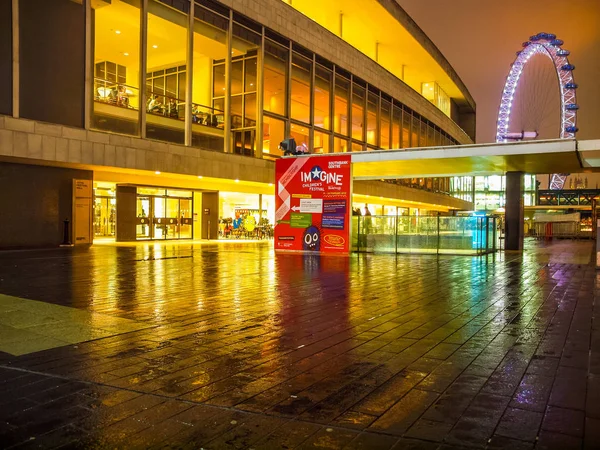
(480, 37)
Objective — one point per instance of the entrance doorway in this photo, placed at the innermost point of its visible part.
(105, 210)
(165, 214)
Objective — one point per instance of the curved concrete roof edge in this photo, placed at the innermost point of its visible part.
(394, 8)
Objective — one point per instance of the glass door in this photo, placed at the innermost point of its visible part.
(172, 219)
(143, 228)
(159, 218)
(185, 217)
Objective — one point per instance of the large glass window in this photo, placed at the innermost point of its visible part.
(321, 142)
(116, 67)
(358, 111)
(406, 129)
(423, 133)
(323, 80)
(384, 124)
(372, 109)
(243, 98)
(276, 62)
(301, 75)
(340, 145)
(208, 79)
(397, 128)
(166, 72)
(273, 134)
(341, 104)
(301, 133)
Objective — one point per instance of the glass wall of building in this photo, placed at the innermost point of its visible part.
(245, 216)
(166, 72)
(208, 78)
(116, 86)
(321, 105)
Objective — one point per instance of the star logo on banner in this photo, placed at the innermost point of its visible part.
(316, 173)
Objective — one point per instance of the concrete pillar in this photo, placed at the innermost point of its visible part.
(126, 213)
(514, 211)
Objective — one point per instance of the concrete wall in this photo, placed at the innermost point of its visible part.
(35, 201)
(290, 23)
(5, 57)
(35, 142)
(52, 61)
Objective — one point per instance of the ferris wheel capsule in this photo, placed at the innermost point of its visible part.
(525, 44)
(567, 67)
(571, 129)
(571, 86)
(557, 42)
(572, 107)
(562, 52)
(534, 38)
(550, 36)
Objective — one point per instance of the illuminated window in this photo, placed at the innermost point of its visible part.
(436, 95)
(166, 72)
(372, 107)
(384, 124)
(321, 142)
(273, 134)
(276, 61)
(208, 79)
(322, 89)
(301, 134)
(341, 103)
(116, 90)
(358, 111)
(340, 145)
(301, 74)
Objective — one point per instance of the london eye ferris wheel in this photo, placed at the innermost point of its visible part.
(539, 96)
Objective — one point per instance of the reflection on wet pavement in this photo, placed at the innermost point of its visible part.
(231, 346)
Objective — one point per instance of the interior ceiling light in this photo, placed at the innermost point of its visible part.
(157, 172)
(126, 54)
(117, 31)
(155, 46)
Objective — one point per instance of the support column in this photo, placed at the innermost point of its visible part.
(514, 214)
(15, 59)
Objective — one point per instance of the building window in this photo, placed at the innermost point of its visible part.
(321, 142)
(358, 112)
(396, 127)
(372, 112)
(166, 73)
(384, 124)
(322, 93)
(273, 134)
(340, 145)
(300, 91)
(406, 129)
(276, 62)
(436, 95)
(341, 105)
(116, 68)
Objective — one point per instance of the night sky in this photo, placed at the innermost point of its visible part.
(480, 37)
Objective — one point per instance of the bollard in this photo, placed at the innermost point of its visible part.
(66, 234)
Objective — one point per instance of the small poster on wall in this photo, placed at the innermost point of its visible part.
(313, 204)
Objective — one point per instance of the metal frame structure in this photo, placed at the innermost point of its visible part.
(548, 45)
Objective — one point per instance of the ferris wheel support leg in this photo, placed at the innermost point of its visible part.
(514, 211)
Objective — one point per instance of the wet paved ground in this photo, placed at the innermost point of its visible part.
(245, 349)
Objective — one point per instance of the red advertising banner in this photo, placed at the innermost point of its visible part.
(313, 204)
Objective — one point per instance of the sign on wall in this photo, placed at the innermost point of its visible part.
(82, 212)
(313, 204)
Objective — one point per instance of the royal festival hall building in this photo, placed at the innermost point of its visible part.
(162, 119)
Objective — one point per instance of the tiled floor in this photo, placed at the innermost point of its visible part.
(231, 346)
